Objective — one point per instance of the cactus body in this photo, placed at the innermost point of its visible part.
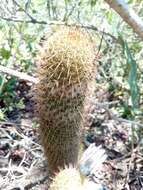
(65, 70)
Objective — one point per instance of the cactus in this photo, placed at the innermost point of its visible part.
(82, 177)
(65, 71)
(67, 179)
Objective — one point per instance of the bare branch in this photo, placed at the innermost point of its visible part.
(128, 15)
(18, 74)
(25, 11)
(20, 20)
(90, 27)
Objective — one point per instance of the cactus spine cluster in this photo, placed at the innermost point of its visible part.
(65, 70)
(67, 179)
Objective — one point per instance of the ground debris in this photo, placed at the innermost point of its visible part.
(22, 163)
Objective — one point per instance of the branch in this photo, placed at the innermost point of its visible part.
(18, 74)
(90, 27)
(20, 20)
(25, 11)
(128, 15)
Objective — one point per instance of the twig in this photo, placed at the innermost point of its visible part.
(127, 121)
(105, 105)
(17, 131)
(18, 74)
(24, 21)
(14, 169)
(131, 162)
(25, 11)
(67, 15)
(25, 182)
(23, 159)
(34, 21)
(39, 181)
(13, 124)
(6, 134)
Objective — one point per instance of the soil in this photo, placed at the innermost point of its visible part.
(22, 162)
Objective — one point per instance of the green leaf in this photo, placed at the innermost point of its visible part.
(20, 104)
(7, 92)
(67, 1)
(5, 53)
(1, 77)
(11, 81)
(93, 3)
(109, 16)
(134, 1)
(9, 86)
(125, 110)
(132, 73)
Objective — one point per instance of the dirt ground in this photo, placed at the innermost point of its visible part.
(22, 163)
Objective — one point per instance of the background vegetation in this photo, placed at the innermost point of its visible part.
(119, 71)
(23, 23)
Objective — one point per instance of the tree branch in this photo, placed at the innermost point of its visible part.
(25, 11)
(20, 20)
(90, 27)
(128, 15)
(18, 74)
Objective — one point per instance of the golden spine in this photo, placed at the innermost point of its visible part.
(67, 179)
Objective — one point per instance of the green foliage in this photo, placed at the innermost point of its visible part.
(125, 111)
(132, 73)
(67, 1)
(134, 1)
(109, 16)
(20, 104)
(121, 62)
(93, 2)
(7, 92)
(5, 54)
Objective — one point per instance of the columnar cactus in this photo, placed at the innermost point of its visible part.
(65, 71)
